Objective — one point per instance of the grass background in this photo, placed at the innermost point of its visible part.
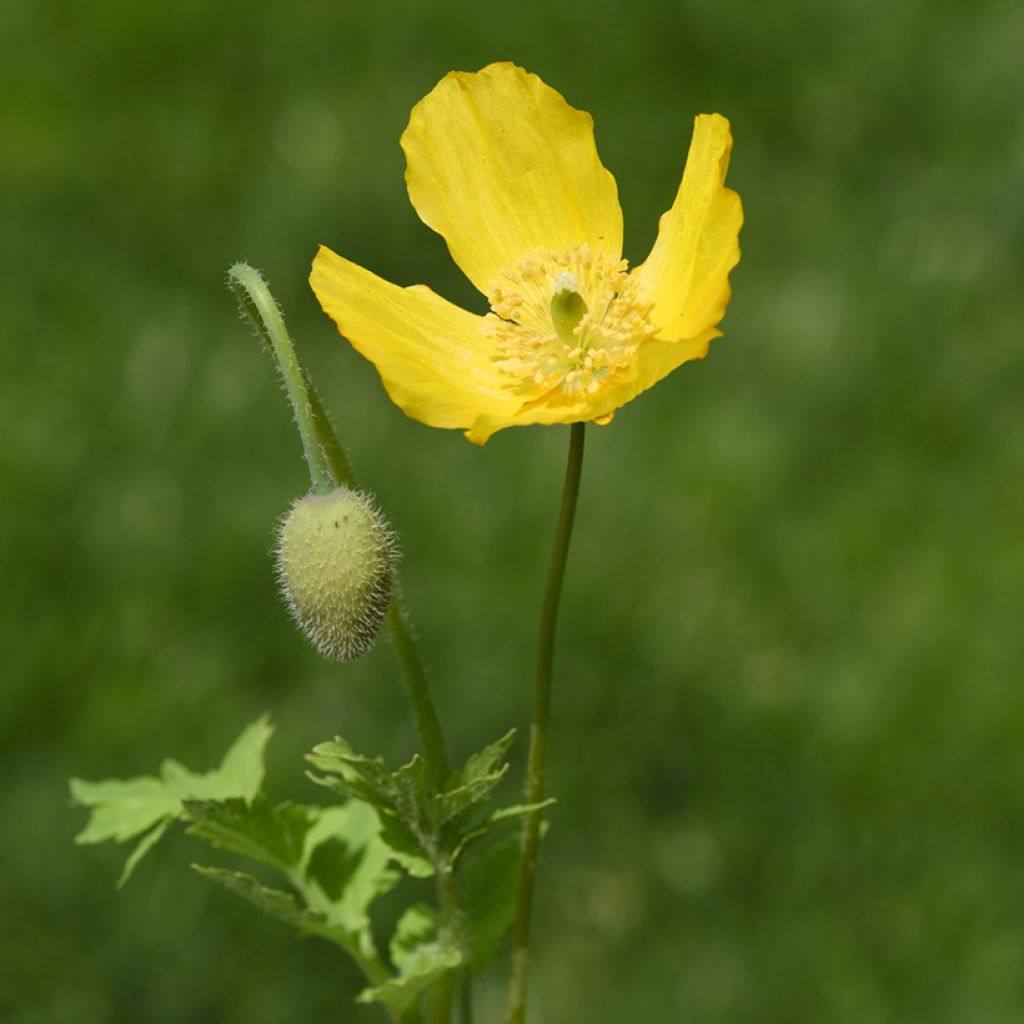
(789, 708)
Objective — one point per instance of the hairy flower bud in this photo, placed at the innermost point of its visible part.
(335, 563)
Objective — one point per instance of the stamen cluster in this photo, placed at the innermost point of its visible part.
(601, 348)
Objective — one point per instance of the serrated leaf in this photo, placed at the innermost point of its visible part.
(492, 888)
(473, 783)
(517, 811)
(416, 927)
(122, 808)
(406, 793)
(329, 782)
(415, 864)
(329, 751)
(365, 777)
(414, 795)
(345, 865)
(407, 849)
(403, 800)
(458, 801)
(243, 765)
(240, 774)
(405, 846)
(423, 966)
(425, 829)
(481, 765)
(335, 855)
(274, 836)
(283, 906)
(492, 823)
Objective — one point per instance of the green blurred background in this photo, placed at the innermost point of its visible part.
(789, 708)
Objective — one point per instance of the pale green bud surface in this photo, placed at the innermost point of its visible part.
(335, 563)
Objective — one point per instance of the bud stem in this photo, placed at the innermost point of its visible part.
(328, 469)
(337, 461)
(539, 728)
(262, 309)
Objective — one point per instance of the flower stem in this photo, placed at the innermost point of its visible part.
(540, 726)
(328, 469)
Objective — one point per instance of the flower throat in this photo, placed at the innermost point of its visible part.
(566, 323)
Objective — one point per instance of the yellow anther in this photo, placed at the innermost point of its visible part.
(568, 322)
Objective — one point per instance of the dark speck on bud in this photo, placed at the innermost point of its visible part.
(335, 562)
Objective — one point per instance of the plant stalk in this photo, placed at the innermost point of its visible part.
(540, 727)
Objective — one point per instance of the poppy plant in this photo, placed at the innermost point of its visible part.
(508, 173)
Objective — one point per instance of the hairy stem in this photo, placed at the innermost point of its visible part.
(262, 309)
(428, 725)
(328, 469)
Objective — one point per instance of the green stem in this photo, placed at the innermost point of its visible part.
(466, 997)
(440, 999)
(328, 469)
(540, 727)
(262, 309)
(452, 932)
(424, 711)
(337, 460)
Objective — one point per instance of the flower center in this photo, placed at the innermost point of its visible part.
(567, 322)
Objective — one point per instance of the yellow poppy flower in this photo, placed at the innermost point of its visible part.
(508, 173)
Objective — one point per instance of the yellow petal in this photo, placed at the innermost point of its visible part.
(546, 410)
(502, 167)
(434, 361)
(686, 274)
(657, 359)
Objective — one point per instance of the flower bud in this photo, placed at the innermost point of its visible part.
(335, 563)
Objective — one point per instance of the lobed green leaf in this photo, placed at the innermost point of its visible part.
(274, 836)
(425, 828)
(472, 784)
(124, 808)
(278, 904)
(415, 928)
(240, 774)
(345, 865)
